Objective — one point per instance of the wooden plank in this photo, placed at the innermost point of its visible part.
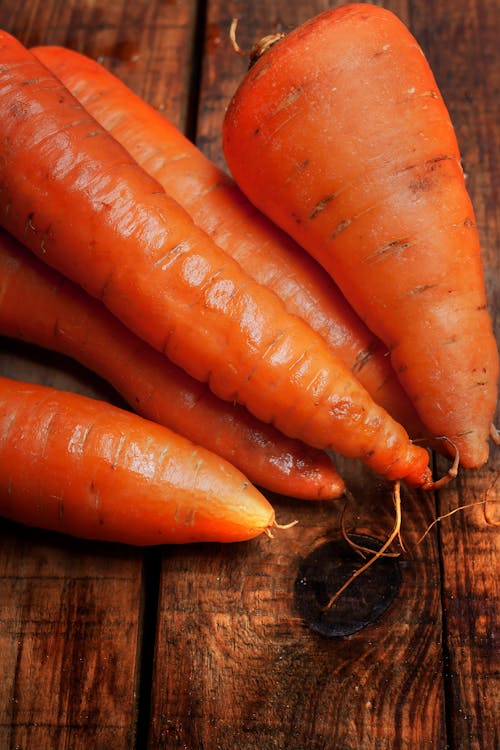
(237, 665)
(470, 553)
(466, 65)
(253, 674)
(69, 641)
(71, 612)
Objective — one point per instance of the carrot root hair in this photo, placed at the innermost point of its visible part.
(452, 512)
(452, 472)
(395, 533)
(487, 501)
(276, 525)
(494, 434)
(258, 48)
(359, 548)
(396, 530)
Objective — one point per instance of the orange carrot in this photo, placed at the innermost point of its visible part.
(340, 135)
(61, 317)
(100, 472)
(217, 205)
(75, 197)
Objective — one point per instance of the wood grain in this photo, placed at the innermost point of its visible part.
(254, 674)
(69, 642)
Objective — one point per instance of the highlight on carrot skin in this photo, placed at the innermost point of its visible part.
(105, 473)
(166, 280)
(217, 205)
(340, 135)
(69, 321)
(100, 472)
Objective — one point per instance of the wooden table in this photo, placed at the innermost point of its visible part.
(108, 647)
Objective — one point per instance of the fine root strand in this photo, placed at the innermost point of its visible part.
(285, 525)
(258, 49)
(232, 38)
(490, 521)
(485, 503)
(452, 471)
(456, 510)
(359, 548)
(356, 547)
(395, 533)
(281, 526)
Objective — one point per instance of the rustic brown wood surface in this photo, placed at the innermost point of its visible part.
(203, 646)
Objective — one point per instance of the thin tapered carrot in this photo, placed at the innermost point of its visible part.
(75, 197)
(340, 134)
(217, 205)
(86, 468)
(61, 317)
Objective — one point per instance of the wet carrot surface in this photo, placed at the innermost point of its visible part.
(209, 645)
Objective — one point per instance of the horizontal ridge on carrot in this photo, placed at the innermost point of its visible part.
(63, 318)
(78, 200)
(217, 205)
(340, 135)
(100, 472)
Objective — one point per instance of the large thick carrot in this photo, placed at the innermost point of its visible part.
(340, 135)
(79, 201)
(217, 205)
(61, 317)
(86, 468)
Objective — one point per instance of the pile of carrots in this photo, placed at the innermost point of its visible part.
(329, 300)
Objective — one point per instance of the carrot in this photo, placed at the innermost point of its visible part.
(340, 135)
(61, 317)
(75, 197)
(217, 205)
(100, 472)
